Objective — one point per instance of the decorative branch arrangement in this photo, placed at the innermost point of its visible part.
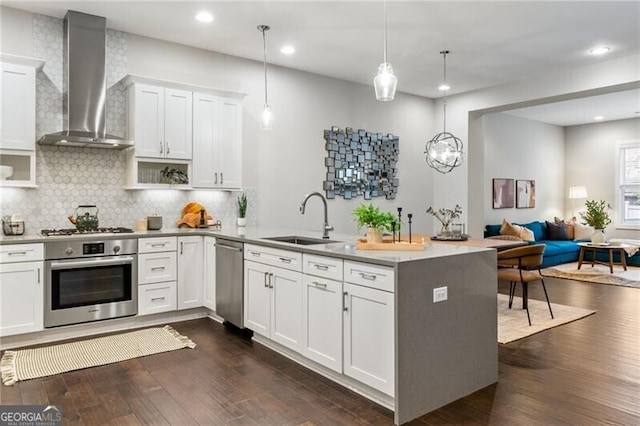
(445, 216)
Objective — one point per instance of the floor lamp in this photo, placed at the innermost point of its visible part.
(575, 193)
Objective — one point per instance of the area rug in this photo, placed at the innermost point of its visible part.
(513, 324)
(596, 274)
(47, 361)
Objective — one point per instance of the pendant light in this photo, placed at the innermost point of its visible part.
(266, 119)
(385, 82)
(444, 151)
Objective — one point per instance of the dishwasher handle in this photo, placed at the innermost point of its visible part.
(239, 250)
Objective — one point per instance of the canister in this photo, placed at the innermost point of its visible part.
(154, 222)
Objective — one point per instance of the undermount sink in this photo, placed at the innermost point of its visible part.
(303, 241)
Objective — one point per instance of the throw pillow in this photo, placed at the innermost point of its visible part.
(557, 231)
(569, 224)
(516, 231)
(582, 232)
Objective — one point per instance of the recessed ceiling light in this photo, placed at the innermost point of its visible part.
(601, 50)
(204, 16)
(444, 87)
(598, 118)
(288, 50)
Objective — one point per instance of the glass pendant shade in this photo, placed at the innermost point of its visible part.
(266, 118)
(385, 82)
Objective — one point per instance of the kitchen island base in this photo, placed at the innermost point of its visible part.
(444, 349)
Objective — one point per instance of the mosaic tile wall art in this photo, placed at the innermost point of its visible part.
(360, 163)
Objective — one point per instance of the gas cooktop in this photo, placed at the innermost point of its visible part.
(74, 231)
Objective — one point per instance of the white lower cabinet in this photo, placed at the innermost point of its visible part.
(322, 321)
(209, 270)
(273, 295)
(157, 297)
(21, 289)
(190, 272)
(273, 303)
(157, 275)
(369, 336)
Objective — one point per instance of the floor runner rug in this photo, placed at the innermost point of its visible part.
(596, 274)
(49, 360)
(513, 324)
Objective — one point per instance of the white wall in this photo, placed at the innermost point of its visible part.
(516, 148)
(590, 154)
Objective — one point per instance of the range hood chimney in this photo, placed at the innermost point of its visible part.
(85, 85)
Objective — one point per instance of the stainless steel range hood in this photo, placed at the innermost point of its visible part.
(85, 85)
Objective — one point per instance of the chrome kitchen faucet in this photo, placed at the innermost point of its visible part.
(326, 227)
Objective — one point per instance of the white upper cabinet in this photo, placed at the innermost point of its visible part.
(160, 121)
(217, 142)
(18, 119)
(18, 114)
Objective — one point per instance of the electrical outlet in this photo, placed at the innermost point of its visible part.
(439, 294)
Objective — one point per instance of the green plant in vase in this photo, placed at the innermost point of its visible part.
(598, 216)
(242, 209)
(375, 220)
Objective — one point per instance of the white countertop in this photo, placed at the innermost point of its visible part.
(343, 248)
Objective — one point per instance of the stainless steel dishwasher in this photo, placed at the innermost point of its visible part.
(230, 281)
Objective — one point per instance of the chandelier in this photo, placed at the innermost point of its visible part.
(444, 150)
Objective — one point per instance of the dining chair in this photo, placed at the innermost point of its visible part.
(522, 265)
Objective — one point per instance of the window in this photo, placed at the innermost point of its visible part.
(629, 195)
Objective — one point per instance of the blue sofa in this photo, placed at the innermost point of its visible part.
(557, 251)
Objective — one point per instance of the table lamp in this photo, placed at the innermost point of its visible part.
(575, 193)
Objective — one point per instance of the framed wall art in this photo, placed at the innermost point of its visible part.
(525, 194)
(503, 195)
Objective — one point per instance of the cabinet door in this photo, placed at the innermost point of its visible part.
(257, 298)
(18, 107)
(368, 337)
(178, 124)
(322, 321)
(190, 286)
(286, 308)
(146, 120)
(229, 141)
(209, 268)
(205, 162)
(21, 298)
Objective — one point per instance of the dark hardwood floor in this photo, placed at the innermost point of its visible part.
(583, 373)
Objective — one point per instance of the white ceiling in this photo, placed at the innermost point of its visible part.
(491, 42)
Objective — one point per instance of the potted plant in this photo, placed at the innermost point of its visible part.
(375, 220)
(597, 215)
(242, 209)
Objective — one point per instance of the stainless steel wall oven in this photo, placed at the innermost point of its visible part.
(90, 280)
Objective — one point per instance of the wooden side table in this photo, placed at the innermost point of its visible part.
(611, 249)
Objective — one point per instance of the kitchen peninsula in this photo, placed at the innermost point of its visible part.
(441, 326)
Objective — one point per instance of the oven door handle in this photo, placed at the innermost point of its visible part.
(120, 260)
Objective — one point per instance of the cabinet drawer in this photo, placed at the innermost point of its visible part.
(157, 244)
(374, 276)
(275, 257)
(21, 253)
(160, 297)
(321, 266)
(157, 267)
